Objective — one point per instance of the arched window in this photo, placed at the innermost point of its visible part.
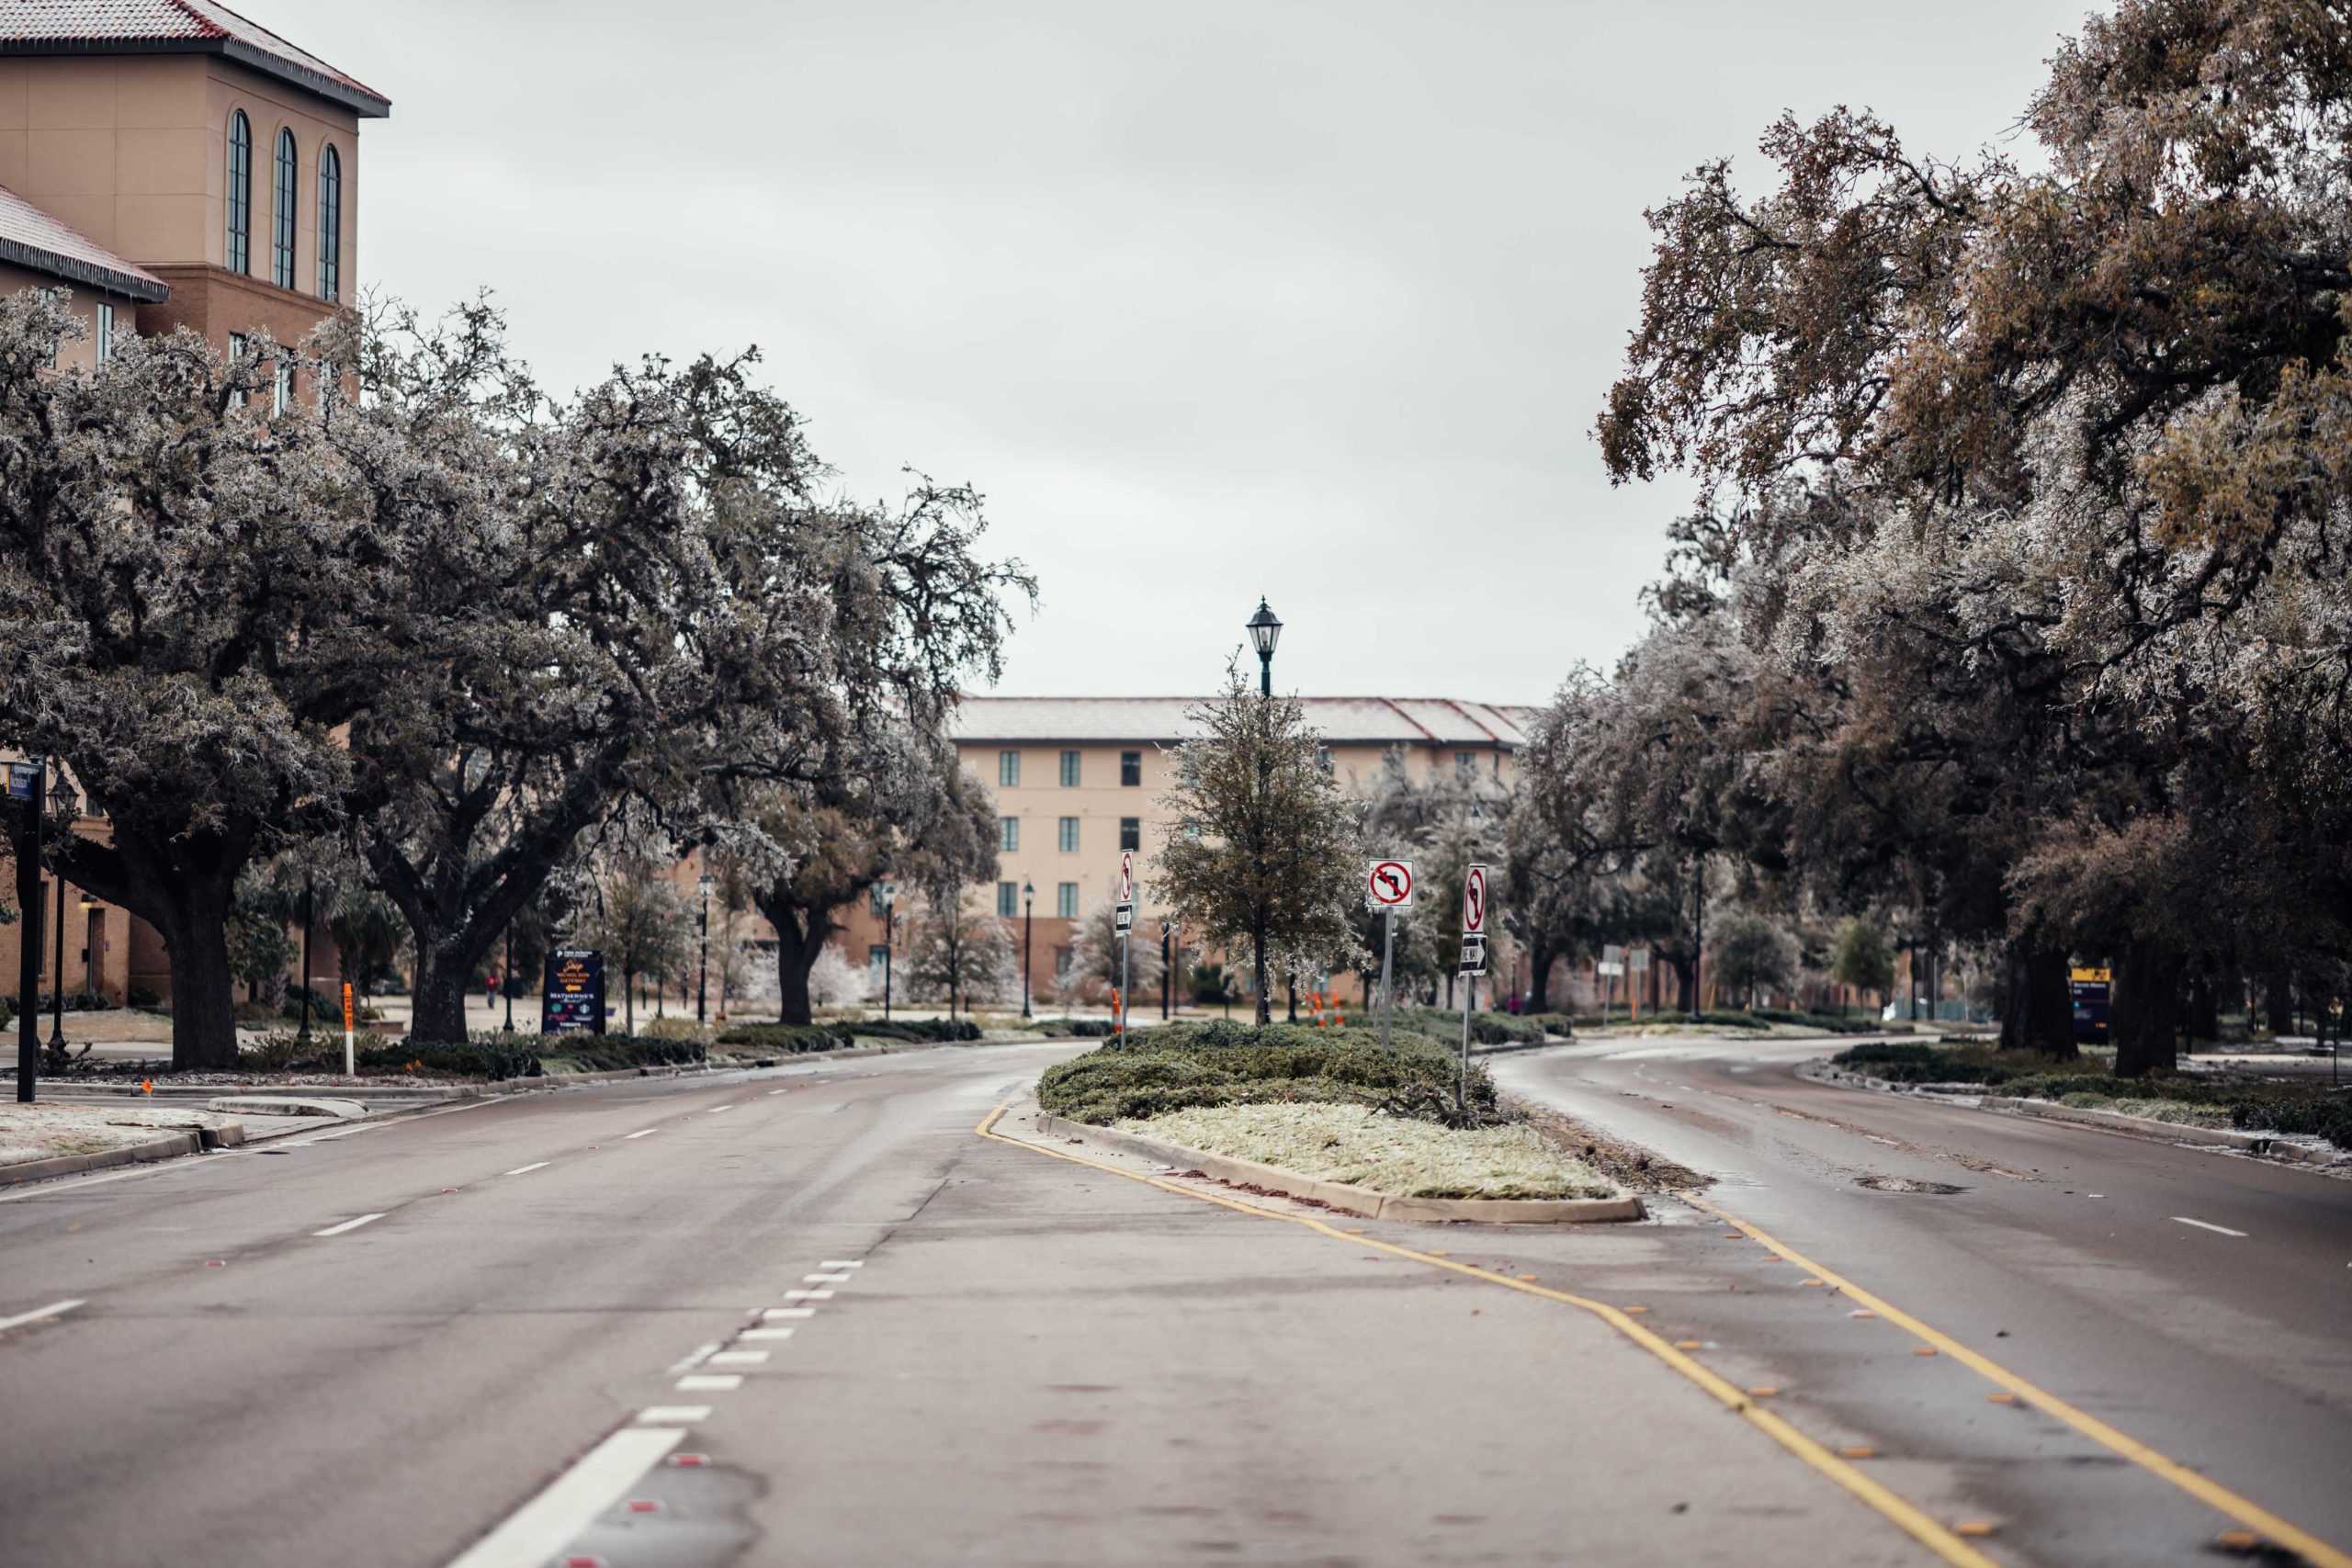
(330, 223)
(240, 193)
(281, 251)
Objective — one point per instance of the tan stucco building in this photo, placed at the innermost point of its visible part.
(170, 163)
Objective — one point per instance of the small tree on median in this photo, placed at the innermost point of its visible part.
(1860, 956)
(1754, 953)
(1265, 845)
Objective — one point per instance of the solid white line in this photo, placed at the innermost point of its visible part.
(841, 1263)
(527, 1169)
(774, 1313)
(716, 1382)
(348, 1225)
(717, 1109)
(539, 1529)
(54, 1309)
(2201, 1225)
(673, 1415)
(807, 1295)
(766, 1333)
(647, 1133)
(738, 1359)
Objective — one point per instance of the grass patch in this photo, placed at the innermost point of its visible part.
(1179, 1067)
(1393, 1155)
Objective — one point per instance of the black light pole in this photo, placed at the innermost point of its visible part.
(28, 783)
(1028, 929)
(889, 941)
(702, 956)
(506, 977)
(57, 973)
(303, 1034)
(1167, 972)
(1265, 629)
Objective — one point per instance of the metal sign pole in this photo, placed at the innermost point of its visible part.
(1125, 1003)
(1387, 958)
(1462, 1084)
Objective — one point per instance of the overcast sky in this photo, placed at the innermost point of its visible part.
(1316, 300)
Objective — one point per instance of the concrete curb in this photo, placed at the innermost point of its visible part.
(195, 1141)
(2267, 1146)
(1342, 1195)
(286, 1105)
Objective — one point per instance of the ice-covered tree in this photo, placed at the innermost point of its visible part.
(1264, 849)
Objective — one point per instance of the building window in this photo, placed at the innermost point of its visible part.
(1069, 770)
(1130, 768)
(1066, 900)
(330, 223)
(1007, 770)
(1070, 835)
(877, 958)
(874, 901)
(1008, 830)
(1323, 760)
(236, 357)
(1061, 963)
(1008, 898)
(281, 390)
(106, 332)
(1131, 832)
(240, 193)
(1466, 765)
(281, 250)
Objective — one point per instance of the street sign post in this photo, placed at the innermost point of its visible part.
(1611, 965)
(1474, 941)
(1124, 924)
(1389, 887)
(1637, 968)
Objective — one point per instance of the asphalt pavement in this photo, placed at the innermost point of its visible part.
(808, 1315)
(2198, 1303)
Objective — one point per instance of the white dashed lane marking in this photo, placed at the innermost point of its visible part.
(54, 1309)
(738, 1359)
(348, 1225)
(527, 1169)
(673, 1415)
(2202, 1225)
(822, 1278)
(719, 1109)
(766, 1333)
(774, 1313)
(645, 1134)
(712, 1382)
(539, 1529)
(807, 1295)
(841, 1263)
(694, 1358)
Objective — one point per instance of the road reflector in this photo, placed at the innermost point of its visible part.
(2000, 1399)
(1861, 1312)
(1635, 1312)
(1690, 1344)
(1763, 1391)
(1859, 1450)
(1972, 1527)
(2237, 1540)
(1527, 1278)
(1813, 1281)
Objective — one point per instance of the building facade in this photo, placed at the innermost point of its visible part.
(170, 163)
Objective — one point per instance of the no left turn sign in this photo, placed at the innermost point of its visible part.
(1474, 901)
(1391, 883)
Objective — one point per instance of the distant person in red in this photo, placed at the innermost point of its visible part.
(491, 986)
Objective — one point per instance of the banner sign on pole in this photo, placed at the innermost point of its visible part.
(573, 997)
(1390, 885)
(24, 779)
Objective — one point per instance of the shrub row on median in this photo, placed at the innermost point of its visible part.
(1176, 1067)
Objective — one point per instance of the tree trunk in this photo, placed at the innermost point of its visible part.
(2204, 1017)
(1539, 982)
(795, 954)
(2278, 1002)
(1258, 962)
(437, 1011)
(1686, 985)
(2037, 1005)
(2147, 1010)
(1292, 986)
(204, 1007)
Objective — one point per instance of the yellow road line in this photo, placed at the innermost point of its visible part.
(1905, 1515)
(2204, 1489)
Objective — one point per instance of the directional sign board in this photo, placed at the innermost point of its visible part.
(1126, 918)
(24, 778)
(1390, 885)
(1474, 954)
(1473, 902)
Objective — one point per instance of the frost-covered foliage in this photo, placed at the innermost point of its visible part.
(2028, 492)
(1264, 847)
(953, 954)
(834, 981)
(1093, 968)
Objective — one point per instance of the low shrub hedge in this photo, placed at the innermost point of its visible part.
(1177, 1065)
(789, 1037)
(1077, 1028)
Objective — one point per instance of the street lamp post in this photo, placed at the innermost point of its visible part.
(29, 785)
(506, 977)
(1166, 970)
(1028, 929)
(1265, 629)
(889, 941)
(702, 957)
(303, 1034)
(69, 806)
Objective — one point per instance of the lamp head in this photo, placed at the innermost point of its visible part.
(1265, 630)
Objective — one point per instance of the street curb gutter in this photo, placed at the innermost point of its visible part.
(195, 1141)
(2268, 1145)
(1343, 1195)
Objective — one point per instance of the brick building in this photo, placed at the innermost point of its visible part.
(171, 164)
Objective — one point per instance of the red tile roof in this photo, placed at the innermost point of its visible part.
(33, 240)
(170, 26)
